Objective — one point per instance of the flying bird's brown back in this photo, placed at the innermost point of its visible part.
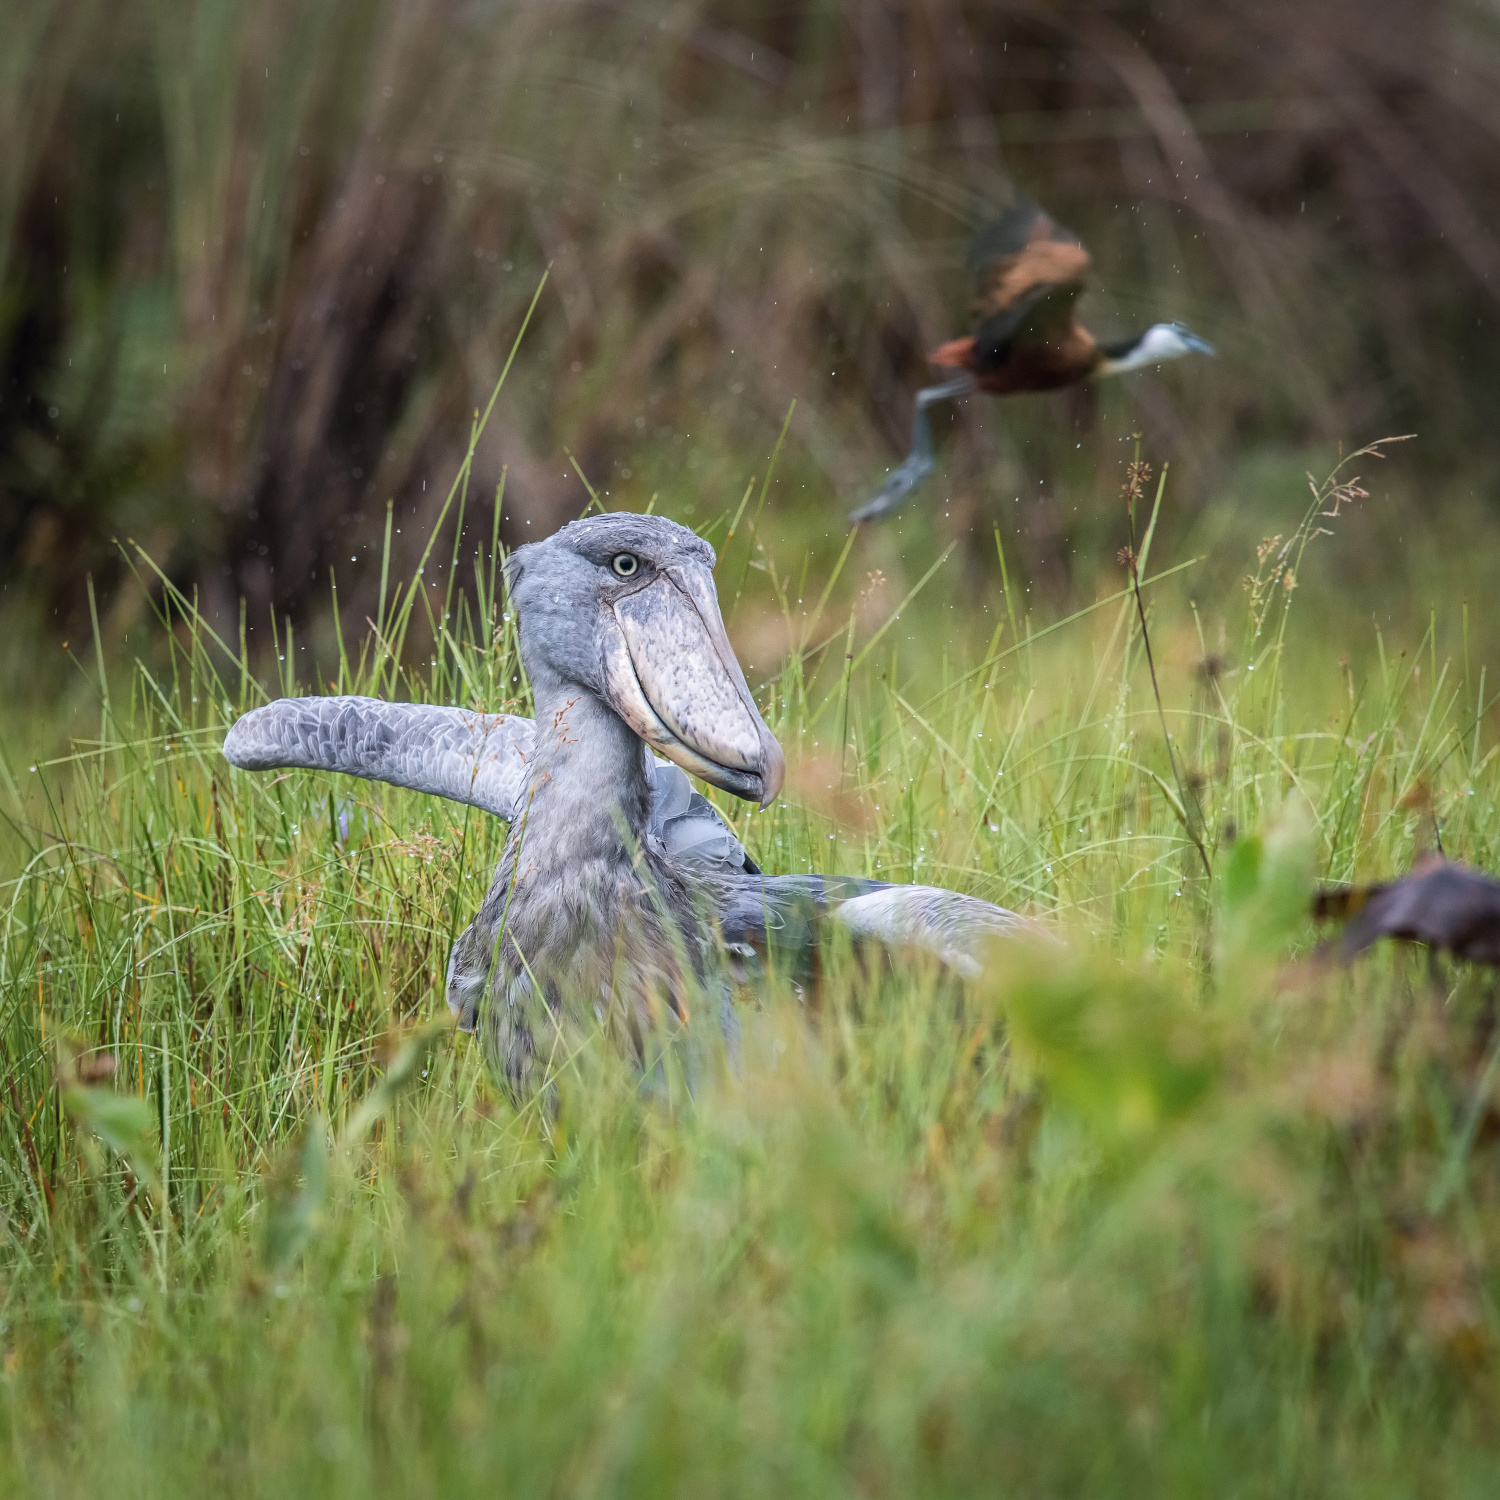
(1028, 272)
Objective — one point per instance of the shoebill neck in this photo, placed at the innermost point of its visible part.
(587, 787)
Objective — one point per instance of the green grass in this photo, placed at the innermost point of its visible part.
(1170, 1211)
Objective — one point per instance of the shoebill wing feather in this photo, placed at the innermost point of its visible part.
(459, 754)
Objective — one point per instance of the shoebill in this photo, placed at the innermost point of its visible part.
(619, 887)
(1028, 273)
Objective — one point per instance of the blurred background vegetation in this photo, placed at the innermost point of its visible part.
(260, 263)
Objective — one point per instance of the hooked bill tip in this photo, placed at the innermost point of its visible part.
(774, 772)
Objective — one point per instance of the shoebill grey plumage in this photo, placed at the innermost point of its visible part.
(618, 884)
(1028, 272)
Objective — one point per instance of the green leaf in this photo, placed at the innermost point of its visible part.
(297, 1200)
(404, 1070)
(1124, 1052)
(124, 1123)
(1264, 890)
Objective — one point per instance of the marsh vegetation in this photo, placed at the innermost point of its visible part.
(1184, 1207)
(1181, 1206)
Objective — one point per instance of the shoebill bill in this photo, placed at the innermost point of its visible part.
(1028, 273)
(619, 886)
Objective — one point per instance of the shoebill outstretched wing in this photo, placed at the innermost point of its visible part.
(458, 754)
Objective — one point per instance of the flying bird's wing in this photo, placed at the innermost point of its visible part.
(479, 759)
(1443, 905)
(456, 753)
(1028, 271)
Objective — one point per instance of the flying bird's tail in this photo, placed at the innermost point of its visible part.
(956, 354)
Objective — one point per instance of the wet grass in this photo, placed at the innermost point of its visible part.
(1174, 1210)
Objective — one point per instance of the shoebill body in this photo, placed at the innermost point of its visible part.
(1028, 272)
(619, 887)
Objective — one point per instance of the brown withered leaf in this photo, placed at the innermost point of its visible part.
(1444, 1283)
(1341, 1087)
(819, 783)
(97, 1067)
(1446, 906)
(763, 639)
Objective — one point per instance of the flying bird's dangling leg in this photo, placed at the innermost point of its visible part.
(919, 463)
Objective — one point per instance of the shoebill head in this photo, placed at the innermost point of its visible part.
(1159, 343)
(624, 607)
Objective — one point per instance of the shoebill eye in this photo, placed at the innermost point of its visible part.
(625, 564)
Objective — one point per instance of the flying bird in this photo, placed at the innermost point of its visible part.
(618, 883)
(1447, 906)
(1028, 273)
